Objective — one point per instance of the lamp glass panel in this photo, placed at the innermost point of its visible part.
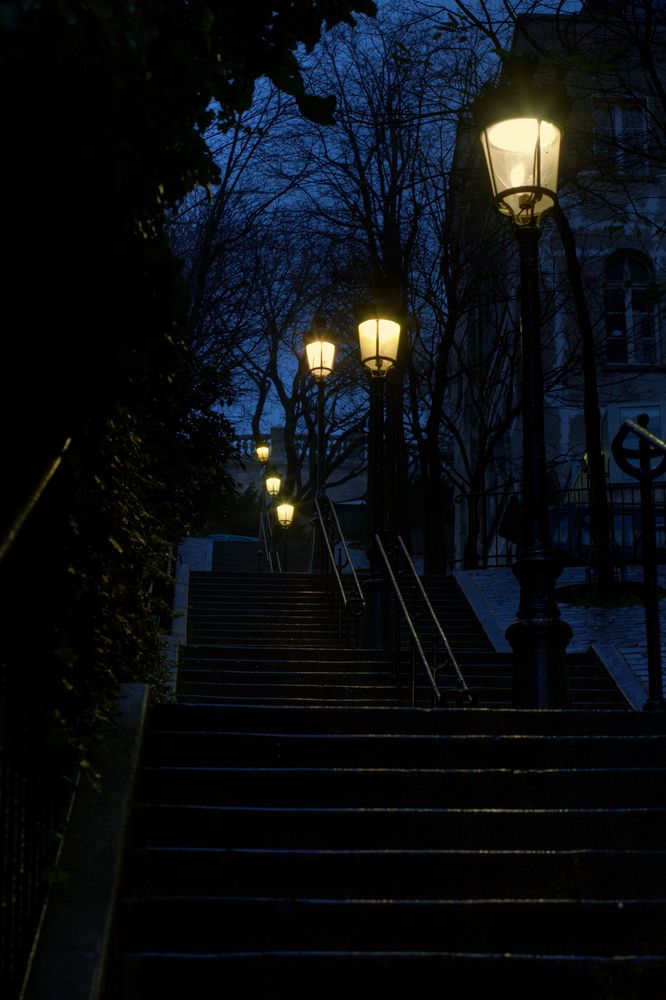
(285, 514)
(523, 152)
(273, 485)
(320, 355)
(378, 340)
(263, 451)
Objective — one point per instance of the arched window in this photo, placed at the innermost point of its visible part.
(630, 314)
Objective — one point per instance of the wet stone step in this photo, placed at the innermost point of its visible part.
(483, 829)
(409, 874)
(459, 751)
(398, 786)
(275, 975)
(467, 722)
(586, 927)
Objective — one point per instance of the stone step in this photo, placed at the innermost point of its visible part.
(474, 723)
(424, 828)
(201, 924)
(277, 975)
(407, 787)
(219, 748)
(402, 874)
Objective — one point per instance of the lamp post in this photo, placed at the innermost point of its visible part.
(319, 355)
(262, 451)
(273, 482)
(521, 135)
(284, 513)
(379, 337)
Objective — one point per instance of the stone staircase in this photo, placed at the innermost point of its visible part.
(487, 672)
(307, 837)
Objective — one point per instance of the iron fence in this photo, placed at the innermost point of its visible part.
(491, 526)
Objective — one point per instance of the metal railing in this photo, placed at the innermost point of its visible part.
(416, 649)
(351, 602)
(651, 463)
(461, 691)
(493, 526)
(270, 553)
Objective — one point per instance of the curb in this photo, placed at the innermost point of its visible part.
(71, 954)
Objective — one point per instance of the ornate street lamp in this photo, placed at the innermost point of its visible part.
(521, 133)
(379, 338)
(284, 513)
(319, 357)
(320, 354)
(273, 482)
(262, 451)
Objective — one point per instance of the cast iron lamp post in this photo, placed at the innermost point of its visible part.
(521, 138)
(262, 451)
(319, 355)
(284, 514)
(273, 482)
(379, 337)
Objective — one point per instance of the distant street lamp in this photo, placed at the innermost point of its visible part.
(319, 356)
(379, 338)
(273, 482)
(521, 136)
(262, 451)
(320, 353)
(284, 513)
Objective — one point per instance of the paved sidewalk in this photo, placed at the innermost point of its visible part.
(616, 634)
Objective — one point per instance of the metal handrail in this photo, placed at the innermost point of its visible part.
(469, 696)
(12, 532)
(353, 606)
(437, 697)
(271, 553)
(340, 538)
(331, 557)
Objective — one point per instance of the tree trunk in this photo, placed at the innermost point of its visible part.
(434, 534)
(600, 524)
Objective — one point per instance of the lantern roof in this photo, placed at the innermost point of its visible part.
(520, 97)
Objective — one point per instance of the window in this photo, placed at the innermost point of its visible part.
(621, 138)
(629, 311)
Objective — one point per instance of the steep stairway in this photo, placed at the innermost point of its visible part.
(299, 834)
(263, 638)
(257, 638)
(308, 852)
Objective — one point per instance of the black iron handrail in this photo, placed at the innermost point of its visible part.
(451, 661)
(266, 535)
(416, 642)
(650, 449)
(357, 596)
(352, 604)
(12, 532)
